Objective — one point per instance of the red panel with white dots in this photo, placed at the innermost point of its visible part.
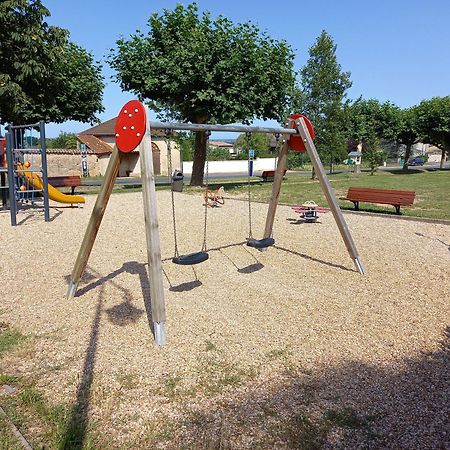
(130, 126)
(295, 140)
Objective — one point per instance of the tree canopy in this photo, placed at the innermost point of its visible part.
(433, 119)
(322, 96)
(42, 74)
(191, 67)
(63, 140)
(367, 122)
(260, 142)
(408, 131)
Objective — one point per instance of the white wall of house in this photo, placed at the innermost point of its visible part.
(434, 158)
(420, 149)
(234, 166)
(176, 155)
(131, 165)
(103, 161)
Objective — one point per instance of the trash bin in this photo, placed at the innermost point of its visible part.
(177, 181)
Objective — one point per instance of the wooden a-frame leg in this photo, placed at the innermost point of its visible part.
(276, 188)
(329, 194)
(158, 307)
(94, 221)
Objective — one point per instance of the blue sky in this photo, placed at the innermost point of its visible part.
(396, 50)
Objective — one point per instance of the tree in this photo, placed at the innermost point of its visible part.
(185, 141)
(367, 122)
(64, 140)
(42, 74)
(433, 119)
(408, 132)
(260, 142)
(322, 97)
(191, 68)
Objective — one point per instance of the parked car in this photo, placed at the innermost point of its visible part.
(416, 162)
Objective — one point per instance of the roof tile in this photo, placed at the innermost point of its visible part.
(94, 143)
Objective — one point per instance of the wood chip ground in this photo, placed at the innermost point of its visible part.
(287, 348)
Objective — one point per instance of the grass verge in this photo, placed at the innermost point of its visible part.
(431, 187)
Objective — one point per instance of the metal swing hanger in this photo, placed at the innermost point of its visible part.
(251, 241)
(196, 257)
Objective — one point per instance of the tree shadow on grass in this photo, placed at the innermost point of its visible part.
(74, 435)
(347, 406)
(407, 171)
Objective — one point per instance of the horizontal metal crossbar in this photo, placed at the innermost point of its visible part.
(209, 127)
(29, 191)
(17, 127)
(27, 150)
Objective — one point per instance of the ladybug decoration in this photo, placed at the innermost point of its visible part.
(130, 126)
(295, 140)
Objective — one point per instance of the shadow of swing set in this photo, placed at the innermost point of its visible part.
(133, 130)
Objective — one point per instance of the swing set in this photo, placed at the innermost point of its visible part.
(133, 130)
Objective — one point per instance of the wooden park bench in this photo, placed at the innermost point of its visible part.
(269, 175)
(67, 180)
(382, 196)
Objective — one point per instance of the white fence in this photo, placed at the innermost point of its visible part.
(234, 166)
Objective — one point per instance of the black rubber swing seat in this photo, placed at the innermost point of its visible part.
(261, 243)
(190, 259)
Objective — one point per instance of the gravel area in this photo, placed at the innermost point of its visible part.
(287, 348)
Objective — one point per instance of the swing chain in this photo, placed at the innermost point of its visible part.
(167, 134)
(207, 134)
(248, 135)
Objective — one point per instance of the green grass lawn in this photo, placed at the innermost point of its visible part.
(432, 190)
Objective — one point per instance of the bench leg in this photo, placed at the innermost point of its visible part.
(73, 190)
(356, 205)
(397, 210)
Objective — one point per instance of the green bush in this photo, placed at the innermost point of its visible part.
(218, 154)
(297, 160)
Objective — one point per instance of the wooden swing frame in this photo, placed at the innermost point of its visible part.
(294, 126)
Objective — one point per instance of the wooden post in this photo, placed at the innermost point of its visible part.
(329, 194)
(276, 188)
(94, 221)
(152, 236)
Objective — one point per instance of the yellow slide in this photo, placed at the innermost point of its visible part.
(54, 194)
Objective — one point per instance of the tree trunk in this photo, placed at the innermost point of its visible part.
(444, 151)
(407, 155)
(198, 166)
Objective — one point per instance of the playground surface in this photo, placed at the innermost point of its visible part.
(287, 348)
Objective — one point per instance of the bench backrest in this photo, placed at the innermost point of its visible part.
(66, 180)
(270, 173)
(392, 196)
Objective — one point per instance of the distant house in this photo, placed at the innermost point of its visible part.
(225, 145)
(354, 157)
(101, 138)
(434, 154)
